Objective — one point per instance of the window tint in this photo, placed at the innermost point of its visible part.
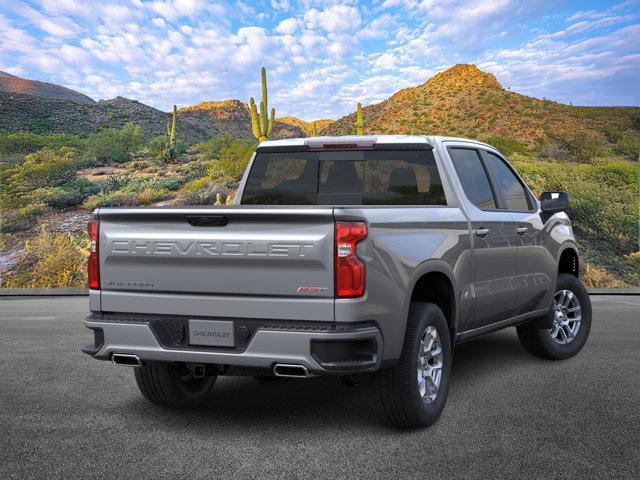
(340, 182)
(402, 178)
(511, 187)
(407, 177)
(282, 179)
(473, 177)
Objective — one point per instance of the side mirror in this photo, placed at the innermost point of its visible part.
(552, 202)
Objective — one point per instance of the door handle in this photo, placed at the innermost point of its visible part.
(522, 230)
(482, 232)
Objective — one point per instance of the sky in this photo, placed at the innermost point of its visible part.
(322, 56)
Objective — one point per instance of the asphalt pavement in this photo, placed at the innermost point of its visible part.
(509, 415)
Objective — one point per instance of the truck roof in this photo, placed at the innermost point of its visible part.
(363, 140)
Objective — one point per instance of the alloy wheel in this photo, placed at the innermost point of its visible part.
(567, 317)
(430, 362)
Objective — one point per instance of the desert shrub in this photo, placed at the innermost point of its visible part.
(43, 169)
(23, 218)
(594, 277)
(213, 147)
(629, 146)
(171, 183)
(116, 145)
(507, 146)
(28, 142)
(111, 199)
(206, 195)
(157, 145)
(581, 146)
(40, 125)
(232, 160)
(51, 261)
(119, 198)
(68, 195)
(116, 182)
(137, 165)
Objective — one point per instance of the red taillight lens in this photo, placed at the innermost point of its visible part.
(93, 265)
(350, 271)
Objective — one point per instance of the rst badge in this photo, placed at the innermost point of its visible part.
(311, 290)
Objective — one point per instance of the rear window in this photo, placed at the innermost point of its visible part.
(384, 177)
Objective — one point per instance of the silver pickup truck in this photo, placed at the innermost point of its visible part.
(341, 256)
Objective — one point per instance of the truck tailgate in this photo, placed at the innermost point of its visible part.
(236, 261)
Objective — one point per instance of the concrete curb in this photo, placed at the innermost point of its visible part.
(34, 292)
(31, 292)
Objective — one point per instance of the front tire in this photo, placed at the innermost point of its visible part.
(414, 391)
(173, 385)
(571, 324)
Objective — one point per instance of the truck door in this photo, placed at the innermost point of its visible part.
(494, 240)
(535, 265)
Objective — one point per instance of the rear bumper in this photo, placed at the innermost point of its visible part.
(328, 349)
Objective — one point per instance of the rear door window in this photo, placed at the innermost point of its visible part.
(385, 177)
(474, 178)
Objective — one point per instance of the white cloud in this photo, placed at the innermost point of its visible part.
(280, 5)
(335, 19)
(56, 26)
(287, 26)
(159, 22)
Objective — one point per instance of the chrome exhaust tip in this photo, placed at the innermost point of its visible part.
(290, 371)
(126, 360)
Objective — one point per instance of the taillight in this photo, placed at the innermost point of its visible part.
(93, 265)
(350, 270)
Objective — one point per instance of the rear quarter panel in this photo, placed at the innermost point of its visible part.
(402, 245)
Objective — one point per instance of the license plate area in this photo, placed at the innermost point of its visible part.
(211, 333)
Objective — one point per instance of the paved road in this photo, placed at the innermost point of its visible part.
(509, 415)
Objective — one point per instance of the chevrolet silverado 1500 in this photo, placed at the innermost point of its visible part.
(341, 256)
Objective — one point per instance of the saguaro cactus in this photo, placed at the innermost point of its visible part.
(314, 130)
(260, 124)
(359, 125)
(171, 135)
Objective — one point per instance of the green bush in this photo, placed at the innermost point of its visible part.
(68, 195)
(158, 145)
(116, 145)
(506, 145)
(581, 146)
(44, 169)
(24, 218)
(126, 199)
(52, 260)
(28, 142)
(629, 146)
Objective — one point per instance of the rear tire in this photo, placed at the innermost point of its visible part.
(173, 385)
(572, 323)
(410, 401)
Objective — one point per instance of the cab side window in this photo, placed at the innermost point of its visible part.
(513, 191)
(473, 177)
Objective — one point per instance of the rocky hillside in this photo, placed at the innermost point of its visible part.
(231, 117)
(12, 84)
(464, 101)
(304, 126)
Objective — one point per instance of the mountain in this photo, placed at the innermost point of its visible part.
(47, 108)
(231, 117)
(16, 85)
(464, 101)
(306, 127)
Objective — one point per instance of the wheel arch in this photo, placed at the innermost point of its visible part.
(569, 261)
(434, 283)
